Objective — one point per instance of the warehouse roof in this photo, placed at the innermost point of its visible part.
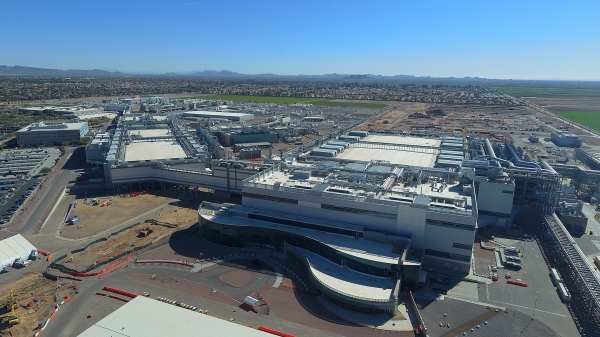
(52, 126)
(14, 247)
(147, 317)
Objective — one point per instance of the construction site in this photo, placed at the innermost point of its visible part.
(127, 240)
(30, 301)
(334, 217)
(99, 212)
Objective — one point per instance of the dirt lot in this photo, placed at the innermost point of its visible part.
(168, 222)
(114, 246)
(398, 114)
(95, 219)
(36, 297)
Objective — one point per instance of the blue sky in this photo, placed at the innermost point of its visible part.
(494, 39)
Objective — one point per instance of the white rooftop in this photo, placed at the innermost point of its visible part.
(150, 132)
(407, 140)
(143, 317)
(14, 247)
(393, 156)
(348, 281)
(153, 151)
(42, 126)
(217, 114)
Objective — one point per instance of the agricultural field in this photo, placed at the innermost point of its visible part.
(549, 92)
(292, 100)
(589, 119)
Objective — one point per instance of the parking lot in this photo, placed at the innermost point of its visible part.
(17, 195)
(540, 294)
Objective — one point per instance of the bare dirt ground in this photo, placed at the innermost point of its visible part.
(167, 223)
(95, 219)
(114, 246)
(36, 297)
(399, 113)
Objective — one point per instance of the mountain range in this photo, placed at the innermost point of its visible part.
(33, 71)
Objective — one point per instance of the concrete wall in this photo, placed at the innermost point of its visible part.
(493, 197)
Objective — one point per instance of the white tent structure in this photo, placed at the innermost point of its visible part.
(13, 248)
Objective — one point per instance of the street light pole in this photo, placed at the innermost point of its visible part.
(200, 261)
(534, 306)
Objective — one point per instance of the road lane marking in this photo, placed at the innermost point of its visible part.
(520, 306)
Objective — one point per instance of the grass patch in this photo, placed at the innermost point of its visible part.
(589, 119)
(528, 91)
(291, 100)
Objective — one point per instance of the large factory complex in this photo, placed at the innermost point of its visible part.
(369, 214)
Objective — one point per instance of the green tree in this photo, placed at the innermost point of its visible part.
(45, 170)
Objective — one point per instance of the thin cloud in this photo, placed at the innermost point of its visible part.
(193, 3)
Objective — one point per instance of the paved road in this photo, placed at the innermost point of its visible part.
(540, 294)
(71, 320)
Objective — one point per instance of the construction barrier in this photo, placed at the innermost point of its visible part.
(274, 332)
(51, 276)
(74, 273)
(111, 296)
(67, 298)
(43, 252)
(517, 283)
(70, 278)
(165, 261)
(119, 291)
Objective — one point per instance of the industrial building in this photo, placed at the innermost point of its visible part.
(566, 139)
(144, 150)
(346, 205)
(51, 132)
(142, 317)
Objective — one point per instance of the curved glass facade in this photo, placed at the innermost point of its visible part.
(242, 236)
(351, 302)
(249, 236)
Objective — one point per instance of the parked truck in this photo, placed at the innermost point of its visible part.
(18, 263)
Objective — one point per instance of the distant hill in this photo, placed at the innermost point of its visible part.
(358, 78)
(365, 78)
(23, 70)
